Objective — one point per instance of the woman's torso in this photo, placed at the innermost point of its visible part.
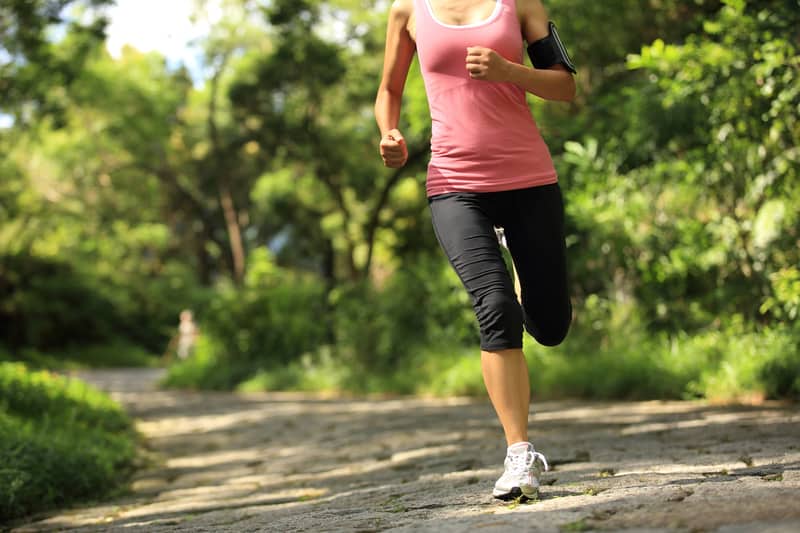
(483, 136)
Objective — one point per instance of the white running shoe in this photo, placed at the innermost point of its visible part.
(523, 465)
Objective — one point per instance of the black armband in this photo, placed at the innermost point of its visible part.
(549, 51)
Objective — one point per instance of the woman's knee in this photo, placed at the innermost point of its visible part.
(500, 320)
(552, 337)
(550, 330)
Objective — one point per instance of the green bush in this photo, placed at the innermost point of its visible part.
(46, 304)
(208, 368)
(429, 371)
(60, 441)
(41, 393)
(272, 333)
(318, 372)
(756, 364)
(116, 354)
(379, 331)
(449, 371)
(271, 320)
(416, 334)
(53, 306)
(727, 363)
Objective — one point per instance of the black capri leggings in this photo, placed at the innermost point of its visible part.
(533, 221)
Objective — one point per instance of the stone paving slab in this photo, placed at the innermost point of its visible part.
(294, 462)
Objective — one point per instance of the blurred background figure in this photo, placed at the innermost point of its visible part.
(187, 334)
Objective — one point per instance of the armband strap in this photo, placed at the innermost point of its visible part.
(549, 51)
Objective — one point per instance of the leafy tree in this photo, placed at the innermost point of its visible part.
(35, 70)
(702, 222)
(313, 96)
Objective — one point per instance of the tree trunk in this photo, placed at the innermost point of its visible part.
(236, 244)
(234, 231)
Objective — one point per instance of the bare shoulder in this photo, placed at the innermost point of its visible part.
(533, 19)
(402, 9)
(401, 15)
(531, 9)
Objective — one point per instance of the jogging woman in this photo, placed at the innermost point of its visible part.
(490, 168)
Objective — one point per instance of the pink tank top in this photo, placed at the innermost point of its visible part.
(484, 137)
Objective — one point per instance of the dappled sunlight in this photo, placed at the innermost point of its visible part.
(705, 420)
(216, 458)
(197, 423)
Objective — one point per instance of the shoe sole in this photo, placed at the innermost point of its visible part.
(517, 494)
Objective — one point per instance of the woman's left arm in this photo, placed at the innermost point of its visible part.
(553, 83)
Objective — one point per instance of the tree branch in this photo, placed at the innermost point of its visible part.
(415, 154)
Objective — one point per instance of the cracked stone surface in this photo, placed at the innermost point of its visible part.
(294, 462)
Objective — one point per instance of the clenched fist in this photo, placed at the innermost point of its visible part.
(393, 149)
(486, 64)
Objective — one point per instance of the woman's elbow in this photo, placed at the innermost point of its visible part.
(562, 88)
(382, 97)
(388, 96)
(569, 90)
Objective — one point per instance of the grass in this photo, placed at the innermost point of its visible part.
(728, 364)
(96, 356)
(61, 441)
(578, 525)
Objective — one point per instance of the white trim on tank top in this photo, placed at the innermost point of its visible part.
(495, 13)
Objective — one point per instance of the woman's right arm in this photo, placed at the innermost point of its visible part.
(398, 55)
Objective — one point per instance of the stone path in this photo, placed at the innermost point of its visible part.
(287, 462)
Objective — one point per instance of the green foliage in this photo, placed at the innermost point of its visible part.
(448, 371)
(32, 68)
(108, 355)
(60, 441)
(42, 393)
(262, 339)
(785, 301)
(205, 369)
(679, 188)
(272, 319)
(430, 371)
(762, 364)
(693, 216)
(46, 304)
(85, 256)
(378, 330)
(49, 305)
(733, 362)
(321, 371)
(728, 363)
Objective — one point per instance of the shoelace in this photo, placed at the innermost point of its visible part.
(540, 456)
(522, 463)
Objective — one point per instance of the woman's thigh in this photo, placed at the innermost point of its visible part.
(534, 228)
(464, 225)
